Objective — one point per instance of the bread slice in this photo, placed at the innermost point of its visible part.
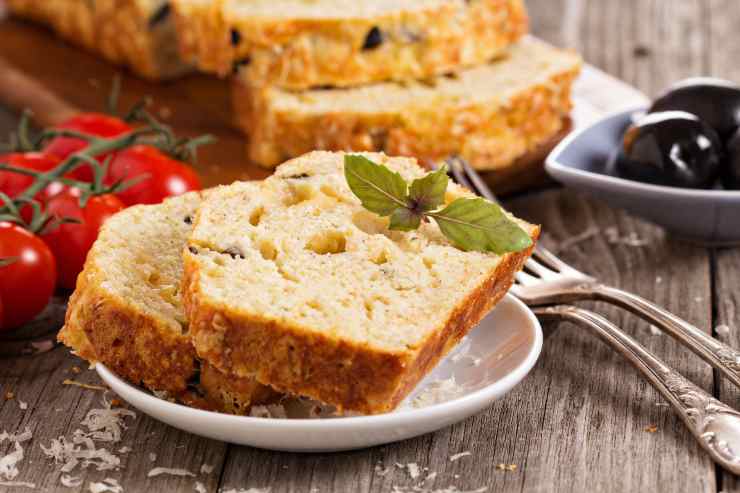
(294, 283)
(126, 310)
(297, 44)
(139, 34)
(490, 115)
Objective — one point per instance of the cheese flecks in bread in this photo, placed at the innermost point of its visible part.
(490, 115)
(139, 34)
(292, 282)
(298, 44)
(126, 311)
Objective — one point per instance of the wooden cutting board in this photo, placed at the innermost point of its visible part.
(55, 79)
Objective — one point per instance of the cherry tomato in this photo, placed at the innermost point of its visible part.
(27, 283)
(166, 176)
(70, 242)
(97, 124)
(12, 183)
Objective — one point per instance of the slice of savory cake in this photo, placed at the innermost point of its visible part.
(126, 311)
(489, 115)
(139, 34)
(294, 283)
(297, 44)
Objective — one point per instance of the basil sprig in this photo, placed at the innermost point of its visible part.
(471, 224)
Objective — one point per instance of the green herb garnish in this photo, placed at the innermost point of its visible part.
(470, 224)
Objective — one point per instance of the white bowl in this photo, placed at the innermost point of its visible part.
(505, 346)
(710, 217)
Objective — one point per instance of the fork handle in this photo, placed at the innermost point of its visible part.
(716, 353)
(715, 425)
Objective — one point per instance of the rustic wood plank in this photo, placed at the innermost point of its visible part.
(726, 301)
(576, 423)
(721, 58)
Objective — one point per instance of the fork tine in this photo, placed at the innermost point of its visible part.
(526, 279)
(545, 256)
(459, 175)
(480, 186)
(467, 176)
(541, 270)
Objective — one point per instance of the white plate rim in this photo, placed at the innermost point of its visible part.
(398, 418)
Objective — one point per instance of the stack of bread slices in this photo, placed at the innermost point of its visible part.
(246, 293)
(424, 78)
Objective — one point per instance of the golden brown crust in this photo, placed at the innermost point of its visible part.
(140, 345)
(301, 53)
(495, 136)
(129, 342)
(225, 392)
(120, 31)
(352, 376)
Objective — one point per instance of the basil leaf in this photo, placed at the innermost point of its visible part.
(428, 193)
(380, 190)
(476, 224)
(405, 219)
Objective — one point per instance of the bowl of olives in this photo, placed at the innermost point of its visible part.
(676, 163)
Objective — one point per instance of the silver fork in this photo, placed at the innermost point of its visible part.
(551, 281)
(715, 425)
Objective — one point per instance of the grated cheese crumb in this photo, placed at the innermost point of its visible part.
(449, 489)
(655, 330)
(723, 330)
(576, 239)
(70, 481)
(157, 471)
(632, 239)
(18, 484)
(152, 456)
(107, 485)
(438, 391)
(431, 476)
(9, 463)
(200, 487)
(103, 425)
(206, 469)
(506, 467)
(250, 490)
(83, 385)
(275, 411)
(455, 457)
(22, 405)
(124, 450)
(651, 429)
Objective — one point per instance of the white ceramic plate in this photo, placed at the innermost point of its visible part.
(492, 359)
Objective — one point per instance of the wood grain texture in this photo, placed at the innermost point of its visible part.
(579, 421)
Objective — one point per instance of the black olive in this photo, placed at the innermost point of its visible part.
(188, 220)
(672, 148)
(301, 176)
(193, 250)
(373, 39)
(239, 64)
(160, 15)
(236, 37)
(715, 101)
(731, 171)
(234, 253)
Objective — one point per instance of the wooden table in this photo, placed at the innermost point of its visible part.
(583, 420)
